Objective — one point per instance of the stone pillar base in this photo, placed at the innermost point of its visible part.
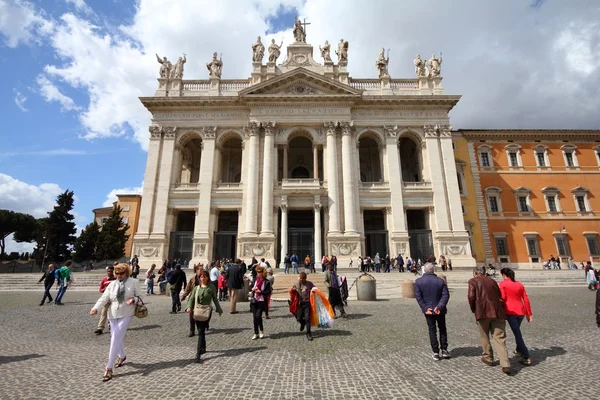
(200, 251)
(457, 248)
(149, 251)
(400, 244)
(259, 247)
(345, 248)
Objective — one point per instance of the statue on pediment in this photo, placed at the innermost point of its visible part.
(420, 67)
(342, 51)
(165, 67)
(258, 51)
(177, 71)
(299, 34)
(326, 51)
(435, 65)
(382, 63)
(274, 51)
(215, 67)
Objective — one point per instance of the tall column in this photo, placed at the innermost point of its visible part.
(332, 180)
(347, 168)
(150, 178)
(164, 183)
(449, 162)
(437, 177)
(252, 184)
(285, 161)
(316, 161)
(317, 253)
(202, 223)
(394, 178)
(266, 228)
(284, 232)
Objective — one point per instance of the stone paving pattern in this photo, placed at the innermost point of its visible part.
(380, 352)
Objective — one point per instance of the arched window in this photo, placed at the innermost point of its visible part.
(410, 160)
(369, 155)
(231, 160)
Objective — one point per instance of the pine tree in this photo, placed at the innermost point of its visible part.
(113, 237)
(24, 227)
(85, 245)
(57, 231)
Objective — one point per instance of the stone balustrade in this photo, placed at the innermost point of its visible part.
(196, 86)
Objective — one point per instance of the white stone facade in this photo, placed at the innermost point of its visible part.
(296, 141)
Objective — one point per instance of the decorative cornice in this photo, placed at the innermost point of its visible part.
(524, 135)
(155, 132)
(169, 132)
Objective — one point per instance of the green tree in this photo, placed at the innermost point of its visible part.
(112, 237)
(56, 233)
(85, 245)
(24, 226)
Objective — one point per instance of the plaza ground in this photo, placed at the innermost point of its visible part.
(380, 352)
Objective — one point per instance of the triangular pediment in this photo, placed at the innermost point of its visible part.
(300, 82)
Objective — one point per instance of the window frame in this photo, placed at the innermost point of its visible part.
(563, 236)
(487, 150)
(493, 191)
(514, 148)
(593, 236)
(541, 149)
(501, 236)
(460, 175)
(526, 193)
(537, 257)
(552, 191)
(580, 191)
(571, 149)
(597, 153)
(127, 208)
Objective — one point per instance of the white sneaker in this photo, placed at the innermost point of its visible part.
(262, 335)
(255, 337)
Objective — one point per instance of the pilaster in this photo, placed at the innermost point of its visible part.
(164, 184)
(332, 179)
(437, 178)
(317, 253)
(348, 179)
(267, 181)
(252, 186)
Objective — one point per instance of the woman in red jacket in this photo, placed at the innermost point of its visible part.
(517, 307)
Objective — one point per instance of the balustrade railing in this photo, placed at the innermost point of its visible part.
(365, 84)
(234, 85)
(404, 84)
(186, 186)
(417, 185)
(196, 86)
(374, 185)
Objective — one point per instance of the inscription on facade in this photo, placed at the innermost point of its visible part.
(208, 115)
(300, 111)
(398, 114)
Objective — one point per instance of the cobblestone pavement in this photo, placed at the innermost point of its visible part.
(380, 352)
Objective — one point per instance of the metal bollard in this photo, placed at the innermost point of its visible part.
(366, 288)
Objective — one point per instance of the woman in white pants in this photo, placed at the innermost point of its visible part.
(121, 294)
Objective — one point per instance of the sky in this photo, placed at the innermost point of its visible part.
(73, 71)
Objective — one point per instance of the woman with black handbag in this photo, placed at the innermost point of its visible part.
(199, 305)
(259, 293)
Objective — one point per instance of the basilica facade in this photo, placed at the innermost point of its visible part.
(301, 158)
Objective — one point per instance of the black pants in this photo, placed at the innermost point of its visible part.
(257, 310)
(440, 319)
(175, 300)
(400, 267)
(201, 325)
(303, 315)
(335, 299)
(47, 294)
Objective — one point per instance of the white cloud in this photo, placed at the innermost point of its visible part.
(20, 100)
(51, 93)
(112, 196)
(51, 152)
(21, 22)
(80, 5)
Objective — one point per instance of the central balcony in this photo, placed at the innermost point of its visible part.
(300, 185)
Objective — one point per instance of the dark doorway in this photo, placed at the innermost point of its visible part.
(420, 239)
(225, 244)
(185, 221)
(376, 234)
(301, 233)
(181, 245)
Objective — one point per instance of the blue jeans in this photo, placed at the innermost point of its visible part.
(286, 267)
(150, 289)
(295, 267)
(514, 321)
(61, 292)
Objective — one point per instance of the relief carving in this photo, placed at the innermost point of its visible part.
(148, 251)
(391, 131)
(169, 132)
(431, 131)
(343, 249)
(155, 132)
(208, 132)
(199, 250)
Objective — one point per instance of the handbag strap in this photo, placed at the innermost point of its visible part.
(139, 302)
(198, 294)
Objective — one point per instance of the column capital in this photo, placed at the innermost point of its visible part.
(317, 207)
(252, 128)
(391, 131)
(169, 132)
(155, 132)
(330, 126)
(208, 132)
(347, 127)
(269, 128)
(431, 131)
(284, 207)
(445, 131)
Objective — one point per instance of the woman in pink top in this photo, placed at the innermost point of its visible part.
(517, 307)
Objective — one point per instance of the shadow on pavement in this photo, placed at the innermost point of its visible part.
(145, 327)
(319, 333)
(469, 351)
(25, 357)
(358, 316)
(228, 331)
(540, 355)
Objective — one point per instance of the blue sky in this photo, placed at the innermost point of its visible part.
(73, 69)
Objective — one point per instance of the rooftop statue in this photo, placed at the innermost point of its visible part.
(326, 51)
(382, 64)
(299, 33)
(215, 66)
(435, 65)
(274, 51)
(420, 67)
(165, 67)
(258, 51)
(342, 51)
(177, 71)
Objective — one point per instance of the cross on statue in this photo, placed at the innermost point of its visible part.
(304, 23)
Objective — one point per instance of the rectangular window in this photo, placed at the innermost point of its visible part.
(501, 247)
(493, 204)
(464, 211)
(125, 220)
(103, 220)
(540, 159)
(580, 203)
(569, 158)
(485, 160)
(532, 247)
(514, 162)
(593, 245)
(552, 204)
(562, 245)
(126, 207)
(523, 204)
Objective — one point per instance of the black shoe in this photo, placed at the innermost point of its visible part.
(42, 303)
(50, 301)
(198, 360)
(191, 334)
(446, 355)
(179, 308)
(436, 357)
(309, 336)
(98, 331)
(172, 312)
(202, 351)
(302, 325)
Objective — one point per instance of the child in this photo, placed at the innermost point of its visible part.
(222, 283)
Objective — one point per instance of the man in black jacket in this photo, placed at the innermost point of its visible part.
(177, 280)
(235, 281)
(48, 278)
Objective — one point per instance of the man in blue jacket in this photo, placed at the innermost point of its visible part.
(432, 295)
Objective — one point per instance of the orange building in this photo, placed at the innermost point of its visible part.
(130, 203)
(538, 193)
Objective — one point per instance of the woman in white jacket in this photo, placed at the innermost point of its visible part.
(121, 294)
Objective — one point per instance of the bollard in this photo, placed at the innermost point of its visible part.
(242, 295)
(444, 278)
(408, 289)
(366, 288)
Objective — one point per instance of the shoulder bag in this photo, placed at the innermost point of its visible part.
(201, 312)
(141, 311)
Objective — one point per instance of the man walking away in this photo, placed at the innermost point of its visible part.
(177, 280)
(335, 296)
(432, 295)
(400, 261)
(49, 277)
(485, 302)
(110, 276)
(235, 282)
(294, 260)
(63, 282)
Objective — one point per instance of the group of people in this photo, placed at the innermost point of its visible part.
(62, 277)
(492, 304)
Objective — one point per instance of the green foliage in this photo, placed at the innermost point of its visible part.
(24, 226)
(112, 237)
(85, 245)
(57, 231)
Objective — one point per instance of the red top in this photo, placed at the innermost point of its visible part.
(105, 282)
(515, 298)
(222, 282)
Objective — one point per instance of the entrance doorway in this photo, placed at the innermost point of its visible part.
(181, 241)
(225, 243)
(301, 233)
(420, 239)
(376, 234)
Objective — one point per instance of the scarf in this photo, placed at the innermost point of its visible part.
(121, 290)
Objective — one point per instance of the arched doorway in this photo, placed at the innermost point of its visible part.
(191, 153)
(369, 154)
(300, 158)
(410, 160)
(231, 160)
